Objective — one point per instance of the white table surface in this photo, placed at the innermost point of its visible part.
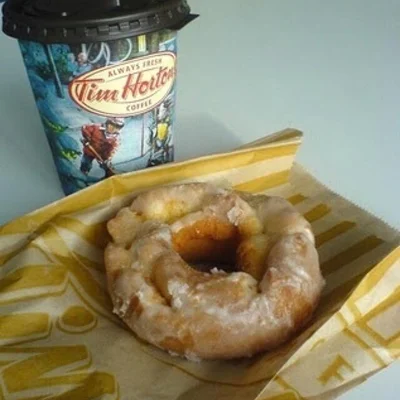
(247, 69)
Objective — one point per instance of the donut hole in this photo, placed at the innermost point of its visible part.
(208, 243)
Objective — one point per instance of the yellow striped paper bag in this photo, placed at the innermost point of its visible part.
(60, 340)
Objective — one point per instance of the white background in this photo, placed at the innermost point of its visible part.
(331, 69)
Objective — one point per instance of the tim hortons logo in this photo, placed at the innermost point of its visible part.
(129, 88)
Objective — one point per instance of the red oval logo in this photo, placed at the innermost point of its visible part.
(127, 89)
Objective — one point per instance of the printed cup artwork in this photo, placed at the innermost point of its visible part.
(105, 88)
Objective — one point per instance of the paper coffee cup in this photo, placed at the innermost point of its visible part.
(103, 75)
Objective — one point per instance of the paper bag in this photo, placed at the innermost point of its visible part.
(60, 340)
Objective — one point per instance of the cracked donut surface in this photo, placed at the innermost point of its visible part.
(267, 290)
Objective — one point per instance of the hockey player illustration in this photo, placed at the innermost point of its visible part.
(100, 141)
(160, 133)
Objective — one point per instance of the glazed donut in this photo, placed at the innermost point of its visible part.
(264, 285)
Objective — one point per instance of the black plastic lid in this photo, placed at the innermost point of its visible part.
(83, 21)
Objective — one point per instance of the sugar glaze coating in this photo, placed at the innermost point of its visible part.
(272, 291)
